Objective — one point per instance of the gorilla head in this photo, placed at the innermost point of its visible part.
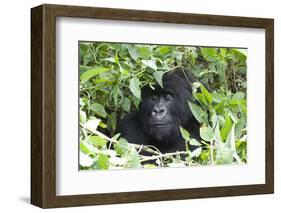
(162, 111)
(165, 109)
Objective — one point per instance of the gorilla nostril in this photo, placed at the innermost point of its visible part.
(156, 112)
(161, 111)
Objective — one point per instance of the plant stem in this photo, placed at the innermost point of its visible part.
(212, 151)
(155, 157)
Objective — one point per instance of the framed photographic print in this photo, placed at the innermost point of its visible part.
(135, 106)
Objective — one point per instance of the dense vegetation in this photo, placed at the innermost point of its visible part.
(111, 78)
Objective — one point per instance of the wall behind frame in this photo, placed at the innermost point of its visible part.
(15, 104)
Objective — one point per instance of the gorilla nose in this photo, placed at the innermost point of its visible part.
(158, 112)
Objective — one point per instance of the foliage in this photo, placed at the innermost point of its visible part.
(111, 78)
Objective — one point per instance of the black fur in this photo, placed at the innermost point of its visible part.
(162, 111)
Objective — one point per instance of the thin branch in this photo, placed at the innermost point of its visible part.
(111, 140)
(155, 157)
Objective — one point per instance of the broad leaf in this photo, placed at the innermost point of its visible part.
(122, 146)
(196, 152)
(210, 54)
(115, 92)
(85, 160)
(144, 52)
(163, 50)
(103, 161)
(194, 142)
(127, 105)
(111, 120)
(98, 141)
(206, 93)
(133, 160)
(238, 96)
(226, 128)
(92, 124)
(224, 155)
(158, 75)
(206, 133)
(135, 87)
(98, 109)
(200, 115)
(185, 134)
(230, 141)
(150, 63)
(82, 117)
(133, 53)
(93, 72)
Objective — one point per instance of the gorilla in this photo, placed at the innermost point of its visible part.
(161, 113)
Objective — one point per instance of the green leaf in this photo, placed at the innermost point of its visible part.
(201, 98)
(150, 63)
(185, 134)
(115, 137)
(103, 161)
(144, 52)
(226, 128)
(239, 126)
(241, 54)
(111, 121)
(233, 117)
(217, 135)
(217, 97)
(115, 92)
(196, 152)
(98, 109)
(98, 141)
(110, 59)
(83, 117)
(135, 87)
(223, 51)
(149, 166)
(206, 93)
(204, 155)
(133, 160)
(122, 146)
(194, 142)
(116, 161)
(206, 133)
(238, 96)
(85, 160)
(158, 75)
(200, 115)
(133, 53)
(224, 155)
(84, 148)
(163, 50)
(210, 54)
(93, 72)
(92, 124)
(195, 86)
(230, 141)
(136, 102)
(127, 105)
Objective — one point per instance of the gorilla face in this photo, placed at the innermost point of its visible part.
(157, 112)
(164, 110)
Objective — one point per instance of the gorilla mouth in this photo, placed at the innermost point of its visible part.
(160, 125)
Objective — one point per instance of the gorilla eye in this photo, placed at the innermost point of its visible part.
(154, 96)
(168, 96)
